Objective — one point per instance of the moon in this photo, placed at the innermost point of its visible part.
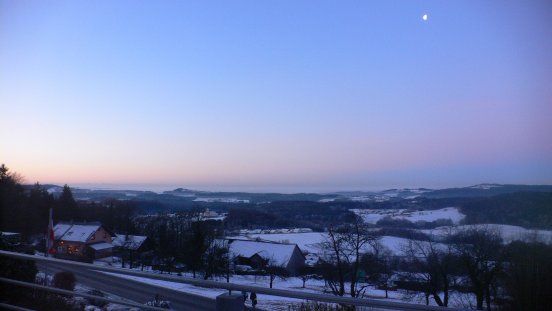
(424, 17)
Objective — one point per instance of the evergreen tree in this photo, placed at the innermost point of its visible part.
(38, 204)
(66, 206)
(12, 200)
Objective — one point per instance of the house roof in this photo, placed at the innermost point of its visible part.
(8, 233)
(60, 229)
(132, 242)
(100, 246)
(75, 232)
(276, 253)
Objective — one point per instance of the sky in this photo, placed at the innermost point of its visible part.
(276, 95)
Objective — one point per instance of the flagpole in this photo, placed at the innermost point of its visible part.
(48, 246)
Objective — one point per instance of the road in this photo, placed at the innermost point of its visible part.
(133, 290)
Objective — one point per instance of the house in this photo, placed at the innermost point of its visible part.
(11, 237)
(135, 243)
(82, 242)
(259, 254)
(131, 248)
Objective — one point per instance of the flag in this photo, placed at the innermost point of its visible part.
(50, 245)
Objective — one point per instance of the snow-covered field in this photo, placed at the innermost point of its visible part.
(274, 231)
(376, 198)
(221, 200)
(508, 233)
(309, 242)
(372, 216)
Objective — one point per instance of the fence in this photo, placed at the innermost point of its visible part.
(359, 302)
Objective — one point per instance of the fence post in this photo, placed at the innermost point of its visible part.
(230, 302)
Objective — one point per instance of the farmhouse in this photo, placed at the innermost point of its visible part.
(127, 242)
(259, 254)
(131, 247)
(82, 242)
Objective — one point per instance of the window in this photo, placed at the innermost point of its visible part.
(73, 250)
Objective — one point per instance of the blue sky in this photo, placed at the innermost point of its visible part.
(277, 95)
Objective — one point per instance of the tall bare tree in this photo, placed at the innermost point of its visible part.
(275, 269)
(341, 256)
(480, 250)
(433, 265)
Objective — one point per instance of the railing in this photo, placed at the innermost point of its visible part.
(359, 302)
(71, 293)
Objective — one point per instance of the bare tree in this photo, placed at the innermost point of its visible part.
(480, 250)
(378, 265)
(341, 255)
(128, 245)
(275, 269)
(432, 265)
(306, 273)
(332, 264)
(216, 258)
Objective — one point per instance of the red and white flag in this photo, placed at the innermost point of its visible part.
(50, 245)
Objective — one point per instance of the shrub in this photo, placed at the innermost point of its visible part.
(65, 280)
(96, 302)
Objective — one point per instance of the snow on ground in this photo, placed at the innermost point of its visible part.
(508, 233)
(221, 200)
(278, 303)
(327, 200)
(368, 198)
(451, 213)
(372, 216)
(308, 242)
(485, 186)
(274, 231)
(265, 302)
(394, 244)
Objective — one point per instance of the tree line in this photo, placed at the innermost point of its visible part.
(476, 261)
(25, 209)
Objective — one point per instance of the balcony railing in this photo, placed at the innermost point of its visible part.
(371, 304)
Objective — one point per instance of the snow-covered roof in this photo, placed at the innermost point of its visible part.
(60, 229)
(132, 242)
(276, 253)
(100, 246)
(75, 233)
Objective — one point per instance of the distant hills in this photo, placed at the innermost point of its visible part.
(189, 195)
(529, 206)
(486, 190)
(526, 209)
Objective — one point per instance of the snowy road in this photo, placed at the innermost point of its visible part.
(132, 290)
